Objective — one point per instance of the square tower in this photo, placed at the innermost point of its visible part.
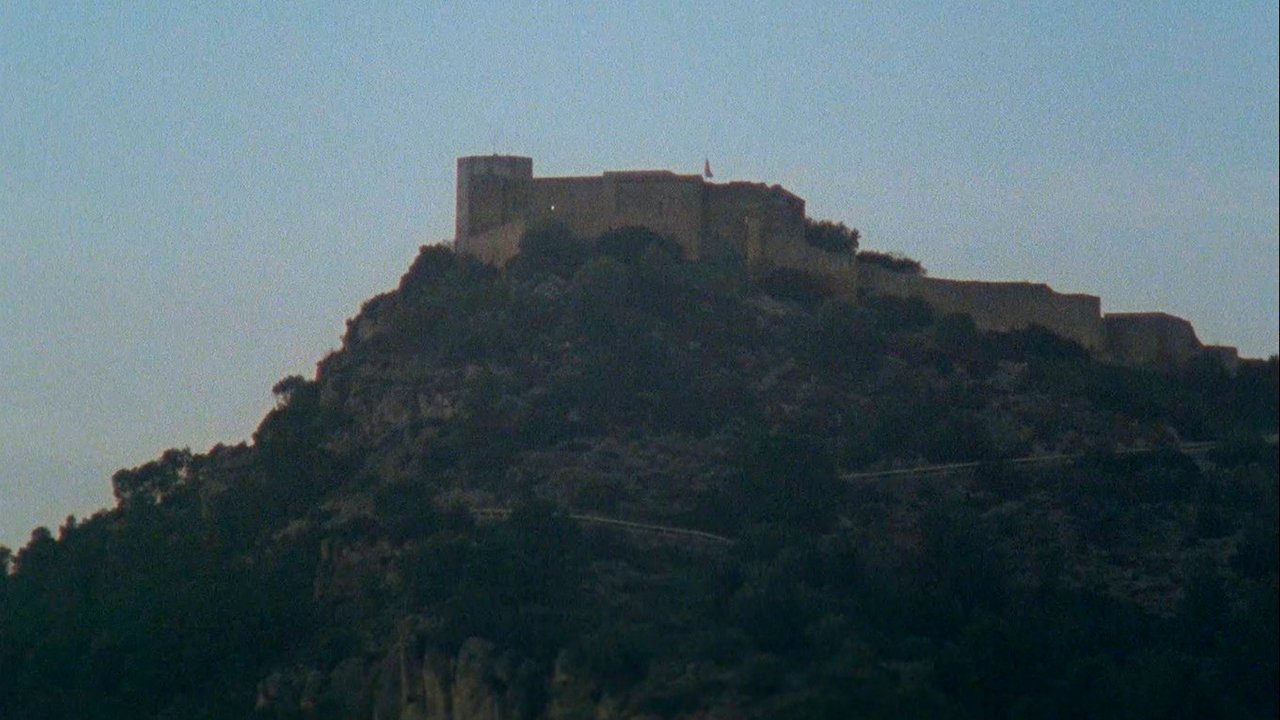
(493, 190)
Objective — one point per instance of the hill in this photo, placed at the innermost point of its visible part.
(603, 482)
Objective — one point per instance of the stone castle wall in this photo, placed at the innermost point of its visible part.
(664, 202)
(1227, 357)
(755, 225)
(1151, 339)
(746, 223)
(735, 222)
(492, 191)
(997, 306)
(497, 245)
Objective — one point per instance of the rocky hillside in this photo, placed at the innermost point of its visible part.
(604, 482)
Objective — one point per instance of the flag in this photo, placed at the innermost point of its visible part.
(706, 168)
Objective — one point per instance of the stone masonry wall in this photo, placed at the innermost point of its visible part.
(1227, 357)
(1151, 339)
(493, 190)
(664, 202)
(737, 222)
(738, 217)
(841, 270)
(998, 306)
(760, 226)
(498, 245)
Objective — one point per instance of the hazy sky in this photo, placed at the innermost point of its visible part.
(193, 200)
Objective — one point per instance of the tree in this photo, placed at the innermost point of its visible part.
(153, 482)
(287, 388)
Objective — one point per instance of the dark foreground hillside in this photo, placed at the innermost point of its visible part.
(435, 526)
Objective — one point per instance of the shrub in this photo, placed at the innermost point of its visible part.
(786, 478)
(630, 244)
(893, 262)
(549, 246)
(831, 236)
(846, 337)
(432, 263)
(891, 314)
(1036, 341)
(795, 285)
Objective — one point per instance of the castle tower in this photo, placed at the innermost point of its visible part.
(493, 190)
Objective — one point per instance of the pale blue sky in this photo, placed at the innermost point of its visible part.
(193, 200)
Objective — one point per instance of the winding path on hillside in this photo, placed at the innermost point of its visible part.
(616, 523)
(1193, 449)
(688, 534)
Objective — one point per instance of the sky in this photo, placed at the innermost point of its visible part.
(194, 197)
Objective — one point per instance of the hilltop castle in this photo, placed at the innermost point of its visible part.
(761, 226)
(737, 223)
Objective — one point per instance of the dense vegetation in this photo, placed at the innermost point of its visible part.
(613, 378)
(891, 261)
(831, 236)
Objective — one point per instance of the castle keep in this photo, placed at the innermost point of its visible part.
(761, 226)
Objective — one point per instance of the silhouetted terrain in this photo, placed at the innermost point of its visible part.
(410, 534)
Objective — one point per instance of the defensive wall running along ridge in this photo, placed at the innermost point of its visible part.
(763, 226)
(998, 306)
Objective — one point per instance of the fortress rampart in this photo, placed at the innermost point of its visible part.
(1156, 339)
(763, 227)
(1151, 338)
(737, 223)
(664, 202)
(998, 306)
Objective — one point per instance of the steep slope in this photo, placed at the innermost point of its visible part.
(478, 509)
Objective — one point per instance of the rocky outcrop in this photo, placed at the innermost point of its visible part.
(479, 683)
(413, 681)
